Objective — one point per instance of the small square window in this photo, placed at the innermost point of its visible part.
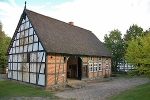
(99, 67)
(106, 58)
(90, 58)
(99, 58)
(107, 66)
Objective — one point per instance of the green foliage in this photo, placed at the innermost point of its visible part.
(4, 43)
(115, 44)
(141, 92)
(138, 54)
(134, 31)
(130, 73)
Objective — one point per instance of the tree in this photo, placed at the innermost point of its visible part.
(133, 31)
(4, 43)
(138, 54)
(115, 44)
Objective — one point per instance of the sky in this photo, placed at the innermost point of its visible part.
(98, 16)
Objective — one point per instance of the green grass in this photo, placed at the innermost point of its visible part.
(141, 92)
(10, 89)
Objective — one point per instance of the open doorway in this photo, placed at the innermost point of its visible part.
(74, 68)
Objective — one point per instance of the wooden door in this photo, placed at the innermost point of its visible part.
(85, 71)
(73, 71)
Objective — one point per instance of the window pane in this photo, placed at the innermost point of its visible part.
(9, 66)
(31, 39)
(14, 66)
(17, 49)
(27, 18)
(14, 43)
(13, 50)
(90, 67)
(26, 40)
(30, 25)
(19, 57)
(22, 27)
(22, 34)
(10, 58)
(14, 74)
(30, 31)
(25, 66)
(35, 46)
(10, 52)
(40, 46)
(20, 76)
(41, 57)
(100, 67)
(27, 25)
(17, 42)
(23, 21)
(25, 48)
(25, 76)
(32, 67)
(21, 49)
(32, 57)
(35, 38)
(26, 33)
(40, 68)
(99, 58)
(25, 57)
(30, 47)
(32, 78)
(21, 41)
(19, 67)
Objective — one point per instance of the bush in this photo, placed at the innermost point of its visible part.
(133, 73)
(130, 73)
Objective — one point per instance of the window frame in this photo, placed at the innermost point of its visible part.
(107, 66)
(99, 66)
(90, 67)
(95, 67)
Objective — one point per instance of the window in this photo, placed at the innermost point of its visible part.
(90, 67)
(99, 67)
(95, 67)
(106, 58)
(90, 58)
(100, 58)
(107, 66)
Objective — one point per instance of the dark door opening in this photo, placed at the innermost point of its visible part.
(74, 68)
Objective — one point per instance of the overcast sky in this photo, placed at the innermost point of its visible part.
(98, 16)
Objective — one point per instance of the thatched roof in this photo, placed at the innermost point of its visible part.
(60, 37)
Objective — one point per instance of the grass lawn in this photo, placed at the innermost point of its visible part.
(141, 92)
(10, 89)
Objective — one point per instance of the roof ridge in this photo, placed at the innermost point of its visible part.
(58, 20)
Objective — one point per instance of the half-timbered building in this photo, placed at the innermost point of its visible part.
(45, 51)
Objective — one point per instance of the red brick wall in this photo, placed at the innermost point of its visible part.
(56, 69)
(103, 62)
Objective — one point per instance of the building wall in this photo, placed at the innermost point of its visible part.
(94, 64)
(57, 68)
(26, 58)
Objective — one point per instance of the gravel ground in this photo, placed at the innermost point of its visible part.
(103, 90)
